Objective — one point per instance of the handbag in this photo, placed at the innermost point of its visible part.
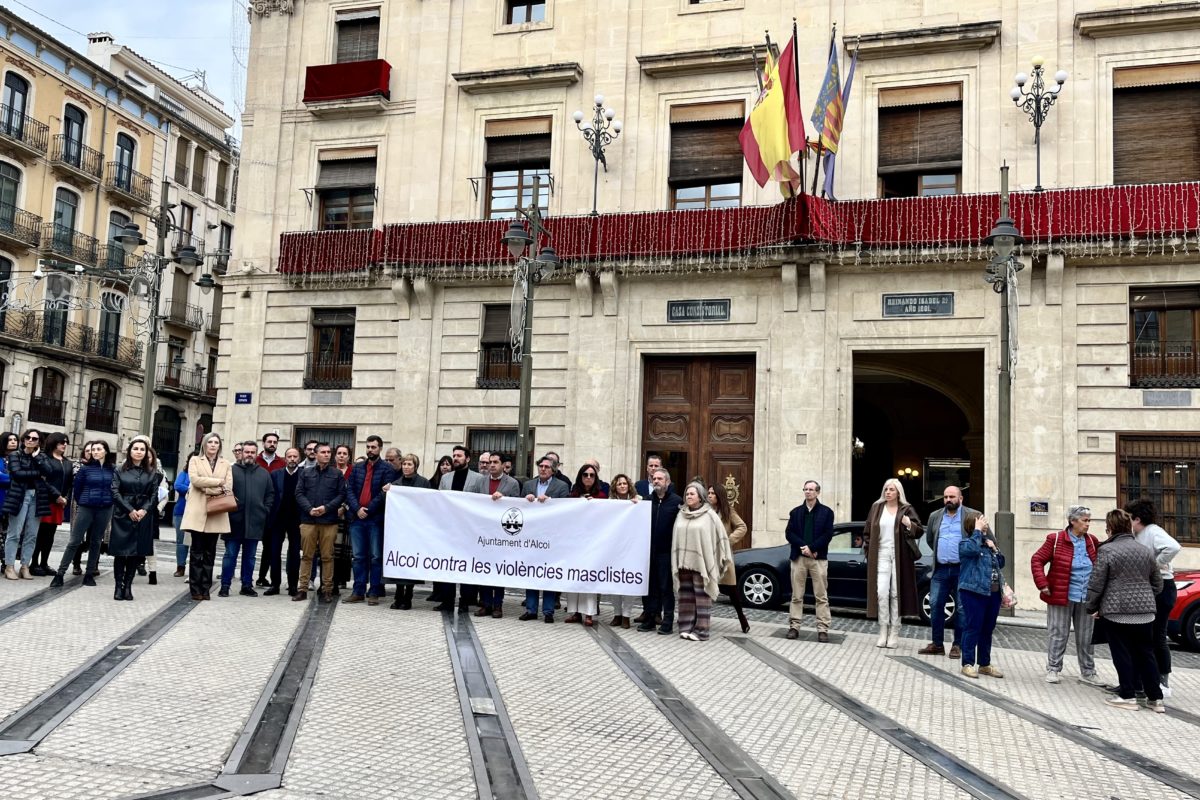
(221, 503)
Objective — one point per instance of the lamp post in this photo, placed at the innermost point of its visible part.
(529, 272)
(1001, 273)
(1036, 103)
(599, 133)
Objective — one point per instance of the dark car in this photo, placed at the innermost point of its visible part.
(765, 576)
(1183, 625)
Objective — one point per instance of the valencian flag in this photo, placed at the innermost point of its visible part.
(774, 131)
(831, 157)
(827, 115)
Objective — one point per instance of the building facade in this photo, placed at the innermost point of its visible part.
(752, 342)
(86, 144)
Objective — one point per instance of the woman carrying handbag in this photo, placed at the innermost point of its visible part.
(209, 501)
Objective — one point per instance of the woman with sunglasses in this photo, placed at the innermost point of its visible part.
(8, 443)
(28, 500)
(584, 606)
(59, 472)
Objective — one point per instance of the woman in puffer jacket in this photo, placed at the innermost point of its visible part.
(1061, 569)
(93, 512)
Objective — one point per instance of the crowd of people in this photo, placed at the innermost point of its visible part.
(299, 503)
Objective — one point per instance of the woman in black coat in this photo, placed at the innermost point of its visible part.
(135, 494)
(409, 477)
(59, 472)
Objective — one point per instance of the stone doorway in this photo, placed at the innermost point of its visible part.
(698, 414)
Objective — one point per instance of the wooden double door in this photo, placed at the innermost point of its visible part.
(698, 414)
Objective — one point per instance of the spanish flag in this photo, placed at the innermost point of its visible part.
(774, 131)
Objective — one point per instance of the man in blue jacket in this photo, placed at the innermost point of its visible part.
(365, 499)
(809, 530)
(320, 491)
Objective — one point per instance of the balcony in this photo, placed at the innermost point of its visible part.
(220, 263)
(328, 372)
(1164, 365)
(128, 187)
(47, 410)
(213, 327)
(3, 401)
(113, 257)
(76, 161)
(59, 240)
(51, 333)
(22, 135)
(102, 419)
(182, 313)
(179, 381)
(19, 228)
(222, 195)
(355, 87)
(184, 238)
(497, 370)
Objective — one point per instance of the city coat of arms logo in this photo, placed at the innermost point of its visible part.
(512, 521)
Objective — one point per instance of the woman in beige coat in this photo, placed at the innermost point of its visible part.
(736, 528)
(699, 557)
(211, 476)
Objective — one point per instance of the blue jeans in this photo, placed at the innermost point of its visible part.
(22, 531)
(979, 622)
(181, 549)
(492, 596)
(366, 544)
(548, 601)
(249, 548)
(943, 585)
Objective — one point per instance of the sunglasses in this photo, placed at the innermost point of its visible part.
(32, 439)
(589, 474)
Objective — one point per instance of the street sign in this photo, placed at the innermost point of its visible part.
(243, 398)
(698, 310)
(926, 304)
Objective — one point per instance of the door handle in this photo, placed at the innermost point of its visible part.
(852, 563)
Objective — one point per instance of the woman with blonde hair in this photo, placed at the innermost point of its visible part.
(892, 530)
(211, 477)
(735, 528)
(699, 556)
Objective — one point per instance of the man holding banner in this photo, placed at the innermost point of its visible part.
(541, 489)
(491, 598)
(460, 479)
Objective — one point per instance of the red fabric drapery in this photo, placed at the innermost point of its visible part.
(347, 80)
(1063, 215)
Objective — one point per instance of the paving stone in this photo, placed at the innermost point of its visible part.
(40, 777)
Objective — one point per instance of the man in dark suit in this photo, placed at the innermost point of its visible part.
(540, 489)
(664, 508)
(809, 530)
(642, 487)
(284, 523)
(947, 527)
(460, 479)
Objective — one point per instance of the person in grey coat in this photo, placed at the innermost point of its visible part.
(1121, 592)
(460, 479)
(500, 486)
(255, 494)
(542, 488)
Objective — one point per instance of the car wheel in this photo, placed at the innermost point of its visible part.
(1191, 628)
(760, 587)
(927, 605)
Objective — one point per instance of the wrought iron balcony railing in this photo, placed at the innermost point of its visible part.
(47, 410)
(196, 381)
(23, 130)
(182, 238)
(183, 313)
(114, 257)
(497, 370)
(52, 328)
(1164, 365)
(70, 244)
(124, 180)
(102, 419)
(69, 152)
(20, 227)
(328, 372)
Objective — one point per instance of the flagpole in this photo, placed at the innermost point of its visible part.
(796, 71)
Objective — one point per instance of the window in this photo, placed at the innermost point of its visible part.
(182, 148)
(115, 254)
(6, 267)
(123, 177)
(46, 403)
(179, 311)
(222, 195)
(74, 121)
(111, 306)
(331, 359)
(706, 157)
(1163, 468)
(199, 177)
(920, 140)
(102, 406)
(66, 212)
(224, 248)
(175, 361)
(211, 386)
(54, 317)
(165, 436)
(187, 218)
(16, 105)
(357, 35)
(497, 367)
(522, 11)
(346, 188)
(10, 184)
(1164, 330)
(1156, 129)
(518, 150)
(334, 436)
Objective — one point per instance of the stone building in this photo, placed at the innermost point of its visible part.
(753, 342)
(84, 150)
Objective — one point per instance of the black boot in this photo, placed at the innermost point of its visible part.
(153, 578)
(141, 567)
(129, 573)
(118, 578)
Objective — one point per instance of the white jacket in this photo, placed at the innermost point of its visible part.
(1159, 542)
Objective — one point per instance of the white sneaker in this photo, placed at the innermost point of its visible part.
(1052, 677)
(1127, 703)
(1157, 706)
(1091, 679)
(1166, 691)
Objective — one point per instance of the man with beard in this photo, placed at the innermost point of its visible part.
(947, 527)
(460, 479)
(660, 599)
(285, 524)
(365, 499)
(491, 601)
(268, 459)
(255, 495)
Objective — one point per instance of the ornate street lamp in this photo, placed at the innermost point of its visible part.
(603, 129)
(1037, 103)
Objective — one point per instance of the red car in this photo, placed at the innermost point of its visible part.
(1184, 623)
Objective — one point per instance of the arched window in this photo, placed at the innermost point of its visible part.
(115, 258)
(48, 403)
(16, 105)
(58, 300)
(6, 267)
(102, 406)
(10, 183)
(124, 169)
(74, 121)
(165, 436)
(111, 306)
(66, 213)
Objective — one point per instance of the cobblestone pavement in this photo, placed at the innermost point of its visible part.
(383, 717)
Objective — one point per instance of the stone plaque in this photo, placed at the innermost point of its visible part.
(326, 398)
(924, 304)
(698, 310)
(1179, 397)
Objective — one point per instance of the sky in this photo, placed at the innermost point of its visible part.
(180, 36)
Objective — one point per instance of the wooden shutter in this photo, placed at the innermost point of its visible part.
(1155, 298)
(706, 152)
(349, 173)
(358, 36)
(920, 138)
(518, 151)
(495, 325)
(1156, 134)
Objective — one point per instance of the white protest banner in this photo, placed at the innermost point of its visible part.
(561, 545)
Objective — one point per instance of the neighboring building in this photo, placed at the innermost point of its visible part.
(753, 342)
(200, 177)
